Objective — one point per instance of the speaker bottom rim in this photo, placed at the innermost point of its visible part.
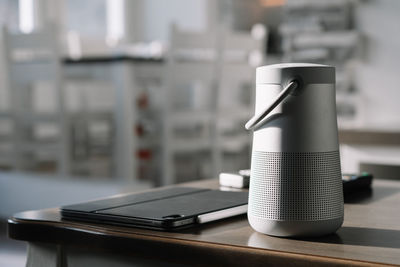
(295, 228)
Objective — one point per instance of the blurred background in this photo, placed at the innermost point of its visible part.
(99, 97)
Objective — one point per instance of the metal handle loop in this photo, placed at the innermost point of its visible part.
(253, 122)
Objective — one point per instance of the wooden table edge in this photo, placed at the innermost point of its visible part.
(204, 250)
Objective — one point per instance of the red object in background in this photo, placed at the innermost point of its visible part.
(142, 101)
(144, 154)
(139, 130)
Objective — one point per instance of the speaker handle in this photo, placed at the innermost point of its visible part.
(253, 122)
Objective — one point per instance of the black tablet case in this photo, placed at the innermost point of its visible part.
(165, 209)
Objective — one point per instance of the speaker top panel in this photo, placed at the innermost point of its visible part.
(305, 73)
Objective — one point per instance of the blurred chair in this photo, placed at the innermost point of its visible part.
(90, 100)
(91, 137)
(240, 53)
(40, 130)
(91, 119)
(190, 107)
(149, 102)
(6, 117)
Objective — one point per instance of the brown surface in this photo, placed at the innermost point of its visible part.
(370, 235)
(369, 137)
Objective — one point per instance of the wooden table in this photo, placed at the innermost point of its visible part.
(370, 235)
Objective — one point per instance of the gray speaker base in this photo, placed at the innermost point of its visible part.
(295, 228)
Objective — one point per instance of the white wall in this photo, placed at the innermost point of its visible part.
(158, 15)
(86, 17)
(378, 77)
(148, 19)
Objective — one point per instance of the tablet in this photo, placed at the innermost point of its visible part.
(167, 209)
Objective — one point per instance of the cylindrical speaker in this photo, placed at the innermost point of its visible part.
(296, 185)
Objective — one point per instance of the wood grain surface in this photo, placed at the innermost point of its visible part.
(370, 235)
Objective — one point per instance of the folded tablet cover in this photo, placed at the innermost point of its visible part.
(176, 203)
(129, 199)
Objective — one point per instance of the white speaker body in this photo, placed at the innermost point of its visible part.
(296, 186)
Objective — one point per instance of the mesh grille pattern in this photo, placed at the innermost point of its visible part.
(296, 186)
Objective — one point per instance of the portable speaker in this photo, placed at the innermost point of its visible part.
(296, 185)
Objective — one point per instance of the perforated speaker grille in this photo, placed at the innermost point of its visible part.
(296, 186)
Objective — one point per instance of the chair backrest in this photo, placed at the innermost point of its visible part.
(34, 56)
(34, 67)
(33, 59)
(241, 53)
(191, 66)
(188, 46)
(244, 47)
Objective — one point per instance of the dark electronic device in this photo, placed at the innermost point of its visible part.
(165, 209)
(356, 182)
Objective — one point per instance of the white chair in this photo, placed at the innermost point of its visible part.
(6, 118)
(190, 101)
(90, 101)
(241, 53)
(90, 116)
(37, 99)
